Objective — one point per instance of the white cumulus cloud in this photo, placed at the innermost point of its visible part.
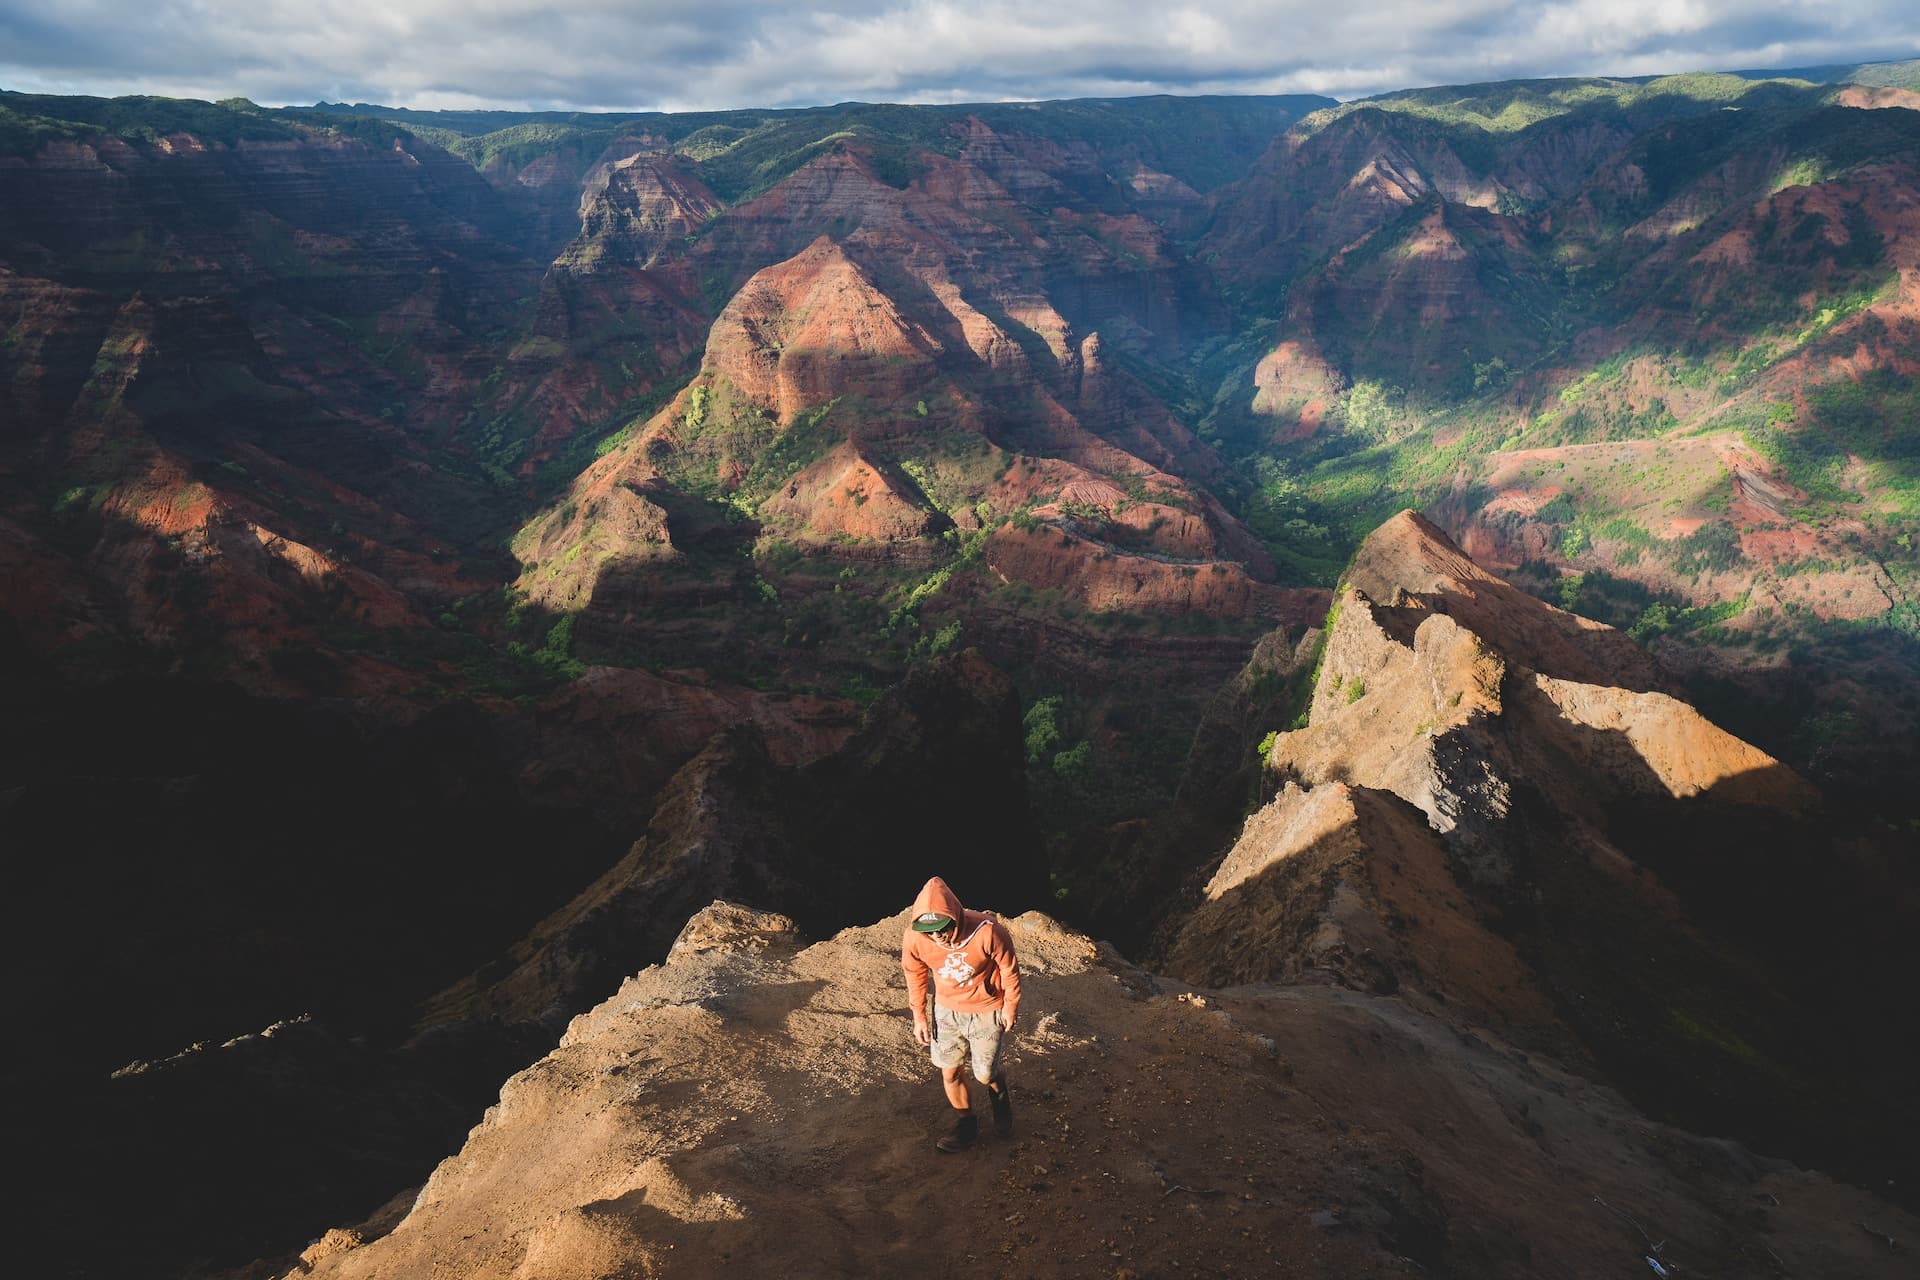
(679, 54)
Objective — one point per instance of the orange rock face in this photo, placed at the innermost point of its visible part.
(1102, 581)
(813, 328)
(1292, 381)
(845, 496)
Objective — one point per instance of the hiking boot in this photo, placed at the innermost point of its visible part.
(961, 1136)
(1002, 1108)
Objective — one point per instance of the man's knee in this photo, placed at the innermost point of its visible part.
(952, 1074)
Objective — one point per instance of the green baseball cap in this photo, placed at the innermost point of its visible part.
(931, 922)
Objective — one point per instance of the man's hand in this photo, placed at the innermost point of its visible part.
(1006, 1022)
(921, 1034)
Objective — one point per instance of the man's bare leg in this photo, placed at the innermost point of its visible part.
(954, 1081)
(965, 1127)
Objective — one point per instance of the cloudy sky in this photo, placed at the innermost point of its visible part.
(680, 54)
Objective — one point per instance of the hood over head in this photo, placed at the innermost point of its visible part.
(936, 900)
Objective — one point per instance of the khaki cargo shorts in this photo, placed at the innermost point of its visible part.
(956, 1036)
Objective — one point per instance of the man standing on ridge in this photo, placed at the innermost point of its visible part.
(976, 991)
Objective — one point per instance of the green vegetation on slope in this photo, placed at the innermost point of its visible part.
(1202, 141)
(1512, 106)
(30, 121)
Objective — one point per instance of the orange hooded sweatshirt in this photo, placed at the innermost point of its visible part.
(976, 974)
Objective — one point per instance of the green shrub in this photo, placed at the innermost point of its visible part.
(1558, 511)
(1712, 548)
(1654, 620)
(1570, 587)
(699, 400)
(1043, 728)
(1071, 765)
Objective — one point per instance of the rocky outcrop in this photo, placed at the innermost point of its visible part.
(717, 829)
(1449, 687)
(816, 327)
(637, 208)
(756, 1104)
(1494, 812)
(1350, 885)
(1410, 563)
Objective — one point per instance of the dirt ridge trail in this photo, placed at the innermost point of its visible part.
(756, 1106)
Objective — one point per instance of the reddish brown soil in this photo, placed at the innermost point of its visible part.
(1101, 580)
